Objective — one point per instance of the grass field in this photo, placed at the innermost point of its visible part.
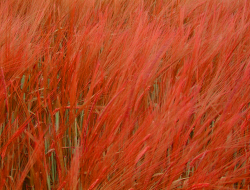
(124, 94)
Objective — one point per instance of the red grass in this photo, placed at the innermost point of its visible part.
(124, 94)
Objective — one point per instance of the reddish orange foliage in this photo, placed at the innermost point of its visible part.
(124, 94)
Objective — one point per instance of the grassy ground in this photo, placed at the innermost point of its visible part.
(124, 94)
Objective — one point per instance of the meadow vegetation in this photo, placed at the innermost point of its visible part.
(124, 94)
